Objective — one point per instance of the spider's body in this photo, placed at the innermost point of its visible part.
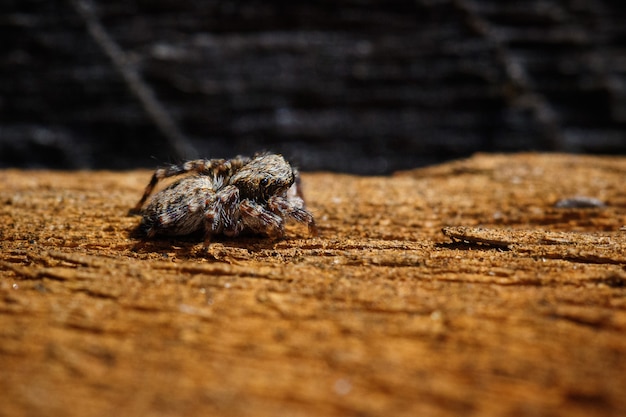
(225, 197)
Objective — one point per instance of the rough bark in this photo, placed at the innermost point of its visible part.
(517, 308)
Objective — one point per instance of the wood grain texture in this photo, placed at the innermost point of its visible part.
(517, 308)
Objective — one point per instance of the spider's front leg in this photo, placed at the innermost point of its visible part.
(260, 220)
(223, 215)
(212, 167)
(293, 207)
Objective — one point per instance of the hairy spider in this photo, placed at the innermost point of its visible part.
(225, 197)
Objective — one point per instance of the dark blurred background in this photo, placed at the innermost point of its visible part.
(357, 86)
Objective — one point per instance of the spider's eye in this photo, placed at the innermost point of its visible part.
(265, 182)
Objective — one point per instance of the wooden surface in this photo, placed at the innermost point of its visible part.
(518, 309)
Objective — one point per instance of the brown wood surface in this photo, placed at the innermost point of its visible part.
(516, 308)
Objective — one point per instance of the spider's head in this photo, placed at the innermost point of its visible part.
(264, 176)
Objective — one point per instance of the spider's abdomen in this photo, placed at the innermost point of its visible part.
(180, 208)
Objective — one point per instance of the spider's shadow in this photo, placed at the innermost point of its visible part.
(192, 246)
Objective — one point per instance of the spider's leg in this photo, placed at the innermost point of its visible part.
(223, 215)
(260, 220)
(296, 189)
(236, 163)
(293, 207)
(202, 166)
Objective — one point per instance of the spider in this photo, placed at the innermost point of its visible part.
(225, 197)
